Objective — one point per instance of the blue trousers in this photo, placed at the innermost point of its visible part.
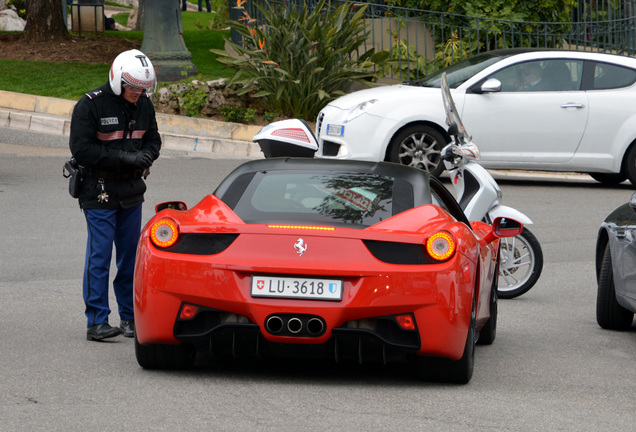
(105, 228)
(207, 4)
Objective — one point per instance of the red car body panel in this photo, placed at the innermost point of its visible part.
(438, 295)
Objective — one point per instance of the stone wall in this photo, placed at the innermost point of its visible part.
(215, 95)
(10, 21)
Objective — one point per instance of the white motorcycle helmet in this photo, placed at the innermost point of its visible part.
(132, 68)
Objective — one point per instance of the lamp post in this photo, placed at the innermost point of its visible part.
(163, 41)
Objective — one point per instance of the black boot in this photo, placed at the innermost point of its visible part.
(102, 331)
(128, 327)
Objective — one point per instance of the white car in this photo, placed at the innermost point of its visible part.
(528, 109)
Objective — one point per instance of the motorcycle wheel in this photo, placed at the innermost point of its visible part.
(520, 265)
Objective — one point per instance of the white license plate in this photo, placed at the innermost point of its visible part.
(295, 287)
(335, 130)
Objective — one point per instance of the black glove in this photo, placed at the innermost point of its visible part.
(138, 159)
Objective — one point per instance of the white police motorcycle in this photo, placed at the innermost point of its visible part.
(521, 257)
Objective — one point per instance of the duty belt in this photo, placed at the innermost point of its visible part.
(116, 175)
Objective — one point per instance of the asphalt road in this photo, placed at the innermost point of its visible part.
(551, 368)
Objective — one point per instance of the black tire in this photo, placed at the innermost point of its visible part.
(629, 164)
(489, 331)
(608, 179)
(156, 356)
(419, 146)
(520, 265)
(452, 371)
(461, 371)
(609, 314)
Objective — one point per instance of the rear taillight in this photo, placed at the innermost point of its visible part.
(440, 246)
(164, 233)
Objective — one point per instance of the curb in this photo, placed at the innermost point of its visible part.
(187, 136)
(183, 136)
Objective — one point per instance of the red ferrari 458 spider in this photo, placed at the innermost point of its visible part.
(310, 257)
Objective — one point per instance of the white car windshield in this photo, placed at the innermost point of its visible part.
(459, 72)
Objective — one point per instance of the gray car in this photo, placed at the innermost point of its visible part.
(615, 271)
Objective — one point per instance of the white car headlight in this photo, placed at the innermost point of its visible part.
(359, 109)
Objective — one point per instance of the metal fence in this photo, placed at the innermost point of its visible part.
(423, 41)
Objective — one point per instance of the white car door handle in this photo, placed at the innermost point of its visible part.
(573, 105)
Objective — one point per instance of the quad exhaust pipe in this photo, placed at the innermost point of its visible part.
(295, 325)
(274, 324)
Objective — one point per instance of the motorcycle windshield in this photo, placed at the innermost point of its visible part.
(452, 115)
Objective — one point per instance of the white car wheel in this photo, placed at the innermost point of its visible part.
(419, 146)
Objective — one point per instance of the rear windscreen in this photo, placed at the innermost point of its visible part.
(335, 198)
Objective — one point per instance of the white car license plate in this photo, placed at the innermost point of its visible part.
(295, 287)
(335, 130)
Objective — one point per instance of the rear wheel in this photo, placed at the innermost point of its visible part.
(610, 179)
(489, 331)
(419, 146)
(609, 313)
(629, 164)
(157, 356)
(452, 371)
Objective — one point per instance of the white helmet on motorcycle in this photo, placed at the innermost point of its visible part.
(132, 68)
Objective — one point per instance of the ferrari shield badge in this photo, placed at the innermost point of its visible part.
(300, 247)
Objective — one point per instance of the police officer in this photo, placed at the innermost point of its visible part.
(114, 137)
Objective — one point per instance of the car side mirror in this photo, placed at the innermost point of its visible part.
(502, 227)
(506, 227)
(491, 85)
(174, 205)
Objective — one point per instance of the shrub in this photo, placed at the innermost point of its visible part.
(297, 60)
(481, 25)
(193, 101)
(514, 10)
(20, 7)
(218, 19)
(238, 114)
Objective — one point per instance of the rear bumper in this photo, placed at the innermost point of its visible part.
(220, 333)
(439, 301)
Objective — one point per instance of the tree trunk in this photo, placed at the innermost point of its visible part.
(45, 21)
(141, 15)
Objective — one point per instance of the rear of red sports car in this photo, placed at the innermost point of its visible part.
(359, 280)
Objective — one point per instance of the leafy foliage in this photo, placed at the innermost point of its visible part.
(406, 63)
(193, 101)
(512, 10)
(469, 26)
(238, 114)
(298, 60)
(20, 7)
(214, 21)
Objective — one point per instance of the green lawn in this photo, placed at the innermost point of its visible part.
(72, 80)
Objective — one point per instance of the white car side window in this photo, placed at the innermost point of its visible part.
(608, 76)
(544, 75)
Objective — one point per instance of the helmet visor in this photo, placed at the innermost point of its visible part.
(148, 85)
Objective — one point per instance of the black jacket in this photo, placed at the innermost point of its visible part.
(102, 125)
